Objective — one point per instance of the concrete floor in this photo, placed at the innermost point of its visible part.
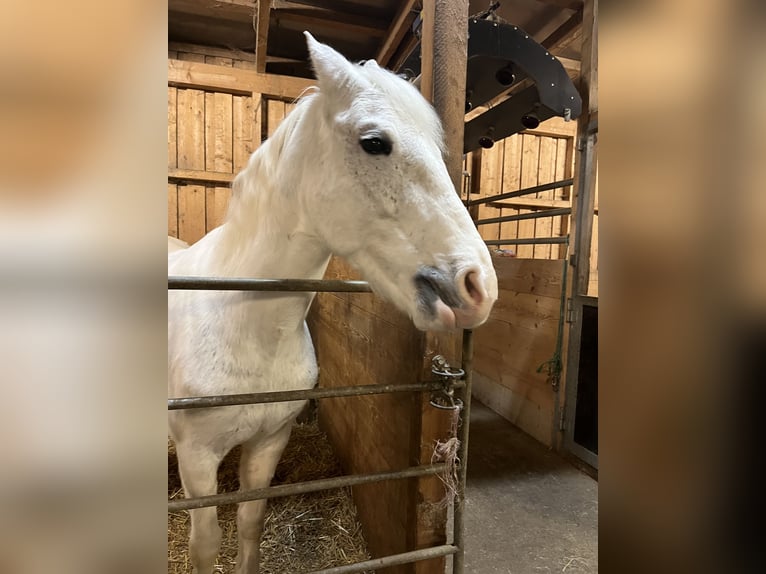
(528, 510)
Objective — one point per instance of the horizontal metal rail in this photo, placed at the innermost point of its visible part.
(521, 192)
(302, 487)
(393, 560)
(522, 216)
(528, 241)
(284, 396)
(244, 284)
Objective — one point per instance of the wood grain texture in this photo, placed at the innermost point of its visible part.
(191, 129)
(360, 339)
(191, 212)
(243, 131)
(172, 210)
(172, 128)
(519, 336)
(275, 113)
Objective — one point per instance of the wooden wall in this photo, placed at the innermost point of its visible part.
(522, 330)
(210, 138)
(527, 159)
(519, 336)
(360, 340)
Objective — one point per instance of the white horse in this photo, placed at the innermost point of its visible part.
(355, 170)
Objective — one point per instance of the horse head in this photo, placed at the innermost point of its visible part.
(383, 199)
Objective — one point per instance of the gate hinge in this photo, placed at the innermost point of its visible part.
(570, 311)
(562, 418)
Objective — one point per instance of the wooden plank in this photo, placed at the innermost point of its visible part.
(511, 182)
(172, 210)
(491, 184)
(191, 57)
(172, 128)
(262, 34)
(243, 130)
(519, 336)
(191, 129)
(564, 159)
(532, 276)
(219, 61)
(216, 204)
(235, 55)
(396, 32)
(275, 113)
(360, 339)
(191, 212)
(233, 80)
(326, 22)
(218, 132)
(554, 127)
(546, 171)
(529, 165)
(563, 33)
(198, 176)
(219, 154)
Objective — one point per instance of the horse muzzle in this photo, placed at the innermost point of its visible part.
(453, 301)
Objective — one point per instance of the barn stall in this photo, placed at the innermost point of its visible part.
(234, 71)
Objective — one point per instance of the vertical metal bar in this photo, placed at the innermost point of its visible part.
(459, 560)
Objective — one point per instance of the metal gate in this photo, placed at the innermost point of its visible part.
(447, 382)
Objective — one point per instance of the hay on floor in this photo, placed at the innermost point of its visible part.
(301, 533)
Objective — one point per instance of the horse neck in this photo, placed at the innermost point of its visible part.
(267, 235)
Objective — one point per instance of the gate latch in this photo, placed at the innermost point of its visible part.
(444, 398)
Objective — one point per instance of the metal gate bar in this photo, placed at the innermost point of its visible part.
(283, 396)
(310, 285)
(462, 453)
(246, 284)
(537, 215)
(528, 241)
(302, 487)
(521, 192)
(393, 560)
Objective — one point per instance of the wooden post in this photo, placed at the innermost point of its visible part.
(444, 54)
(583, 193)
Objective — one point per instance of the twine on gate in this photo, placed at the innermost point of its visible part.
(446, 451)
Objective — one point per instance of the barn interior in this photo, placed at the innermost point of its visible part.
(235, 68)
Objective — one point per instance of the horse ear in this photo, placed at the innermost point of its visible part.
(335, 74)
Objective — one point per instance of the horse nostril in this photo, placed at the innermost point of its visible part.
(473, 287)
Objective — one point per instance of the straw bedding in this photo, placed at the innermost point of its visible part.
(301, 533)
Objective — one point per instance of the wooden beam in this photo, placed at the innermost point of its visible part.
(263, 18)
(567, 4)
(563, 33)
(233, 10)
(396, 32)
(200, 176)
(238, 81)
(212, 51)
(303, 21)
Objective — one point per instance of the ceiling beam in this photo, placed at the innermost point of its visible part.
(326, 20)
(263, 16)
(568, 4)
(563, 33)
(396, 32)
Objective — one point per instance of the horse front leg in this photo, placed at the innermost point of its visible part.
(199, 470)
(257, 465)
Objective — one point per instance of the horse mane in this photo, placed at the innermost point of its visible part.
(248, 186)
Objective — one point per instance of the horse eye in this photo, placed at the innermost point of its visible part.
(376, 146)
